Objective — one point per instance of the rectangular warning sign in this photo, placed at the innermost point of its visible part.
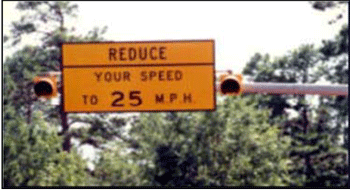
(138, 76)
(138, 53)
(139, 89)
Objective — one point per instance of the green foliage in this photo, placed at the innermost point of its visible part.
(114, 168)
(310, 148)
(298, 66)
(335, 56)
(291, 68)
(45, 20)
(19, 70)
(33, 156)
(326, 5)
(234, 146)
(336, 70)
(317, 161)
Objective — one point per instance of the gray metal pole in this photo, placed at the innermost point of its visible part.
(292, 88)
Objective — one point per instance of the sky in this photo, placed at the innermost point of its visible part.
(240, 29)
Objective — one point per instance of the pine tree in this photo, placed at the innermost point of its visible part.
(25, 116)
(46, 22)
(33, 155)
(304, 65)
(234, 146)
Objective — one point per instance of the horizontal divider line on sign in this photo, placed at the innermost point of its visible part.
(140, 65)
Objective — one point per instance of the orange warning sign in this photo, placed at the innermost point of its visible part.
(154, 76)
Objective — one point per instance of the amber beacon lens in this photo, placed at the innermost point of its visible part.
(230, 86)
(43, 88)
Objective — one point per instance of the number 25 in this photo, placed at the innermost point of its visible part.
(133, 95)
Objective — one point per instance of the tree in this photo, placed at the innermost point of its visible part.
(295, 67)
(18, 73)
(325, 5)
(315, 137)
(336, 70)
(23, 141)
(46, 21)
(115, 168)
(39, 16)
(33, 155)
(304, 65)
(233, 146)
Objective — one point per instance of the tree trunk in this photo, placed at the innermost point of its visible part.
(309, 169)
(29, 107)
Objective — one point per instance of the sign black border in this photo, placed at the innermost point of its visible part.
(154, 41)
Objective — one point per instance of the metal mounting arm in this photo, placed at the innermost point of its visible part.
(292, 88)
